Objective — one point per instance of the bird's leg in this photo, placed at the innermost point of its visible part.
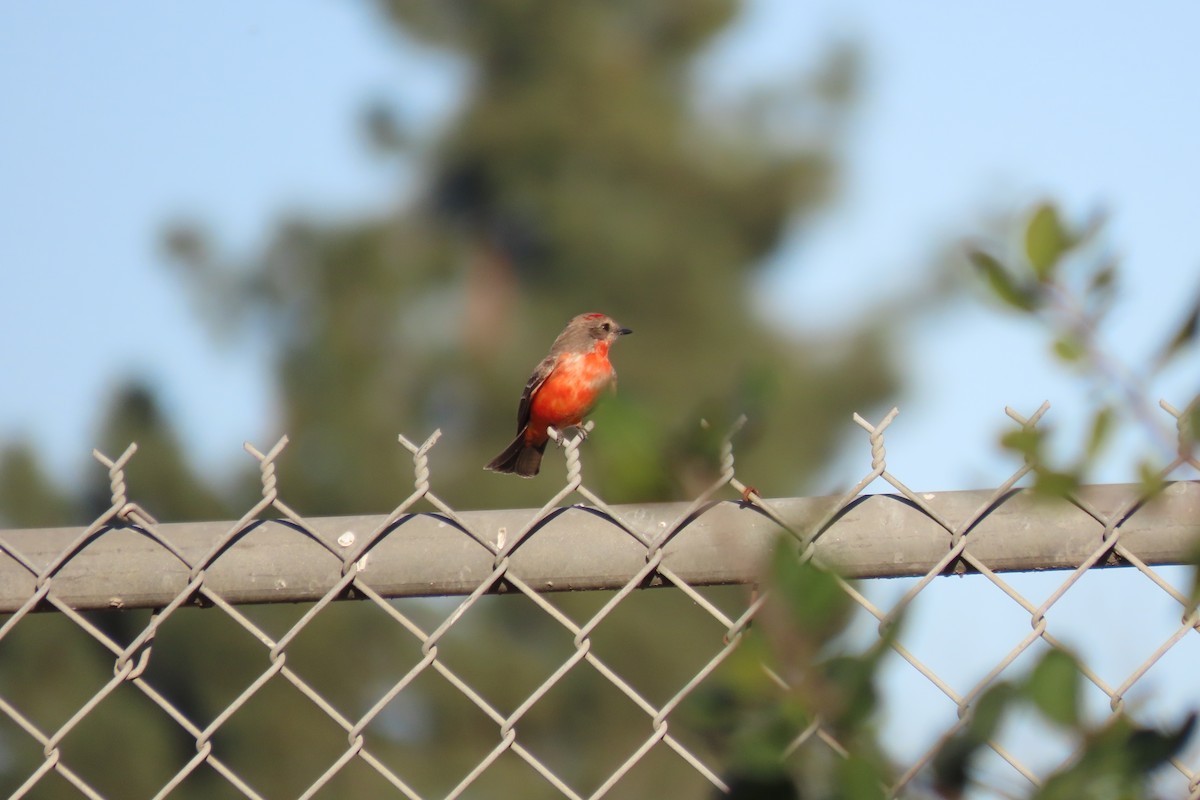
(583, 429)
(560, 438)
(580, 432)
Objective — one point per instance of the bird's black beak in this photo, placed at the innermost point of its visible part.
(623, 331)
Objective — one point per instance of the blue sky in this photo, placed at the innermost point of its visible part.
(970, 111)
(117, 119)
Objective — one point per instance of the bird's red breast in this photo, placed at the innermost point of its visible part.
(569, 391)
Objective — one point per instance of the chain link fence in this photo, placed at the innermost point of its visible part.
(426, 576)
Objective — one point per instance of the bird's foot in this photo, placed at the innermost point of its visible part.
(580, 433)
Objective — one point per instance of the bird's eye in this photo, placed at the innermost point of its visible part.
(606, 327)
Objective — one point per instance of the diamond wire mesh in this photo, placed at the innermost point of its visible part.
(130, 660)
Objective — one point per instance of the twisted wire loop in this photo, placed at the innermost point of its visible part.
(351, 554)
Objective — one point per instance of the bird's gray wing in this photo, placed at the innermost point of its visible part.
(540, 373)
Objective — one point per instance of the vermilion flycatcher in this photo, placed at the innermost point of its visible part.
(562, 390)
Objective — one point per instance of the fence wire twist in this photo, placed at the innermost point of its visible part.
(130, 660)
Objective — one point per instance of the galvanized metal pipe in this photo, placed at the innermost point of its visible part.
(426, 554)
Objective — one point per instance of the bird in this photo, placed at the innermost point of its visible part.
(564, 387)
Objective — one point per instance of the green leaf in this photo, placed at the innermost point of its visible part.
(860, 778)
(1117, 760)
(1100, 292)
(854, 679)
(1053, 688)
(758, 787)
(1103, 281)
(1101, 768)
(1149, 748)
(816, 604)
(1026, 441)
(1150, 478)
(1184, 335)
(1002, 283)
(1046, 241)
(1194, 589)
(1054, 483)
(1102, 425)
(989, 709)
(953, 762)
(1069, 348)
(952, 765)
(1191, 421)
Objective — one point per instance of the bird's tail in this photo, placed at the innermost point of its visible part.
(519, 458)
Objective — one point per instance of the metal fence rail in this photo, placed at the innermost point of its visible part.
(126, 559)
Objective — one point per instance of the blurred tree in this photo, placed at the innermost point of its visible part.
(28, 496)
(579, 175)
